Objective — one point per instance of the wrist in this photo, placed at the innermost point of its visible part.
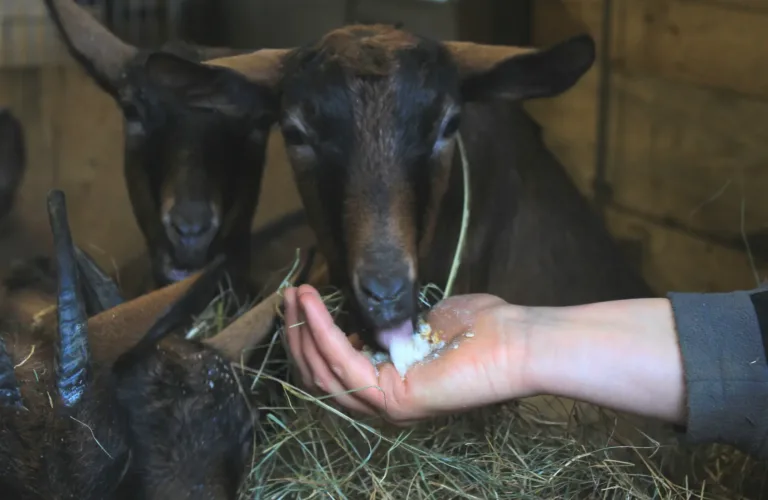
(622, 355)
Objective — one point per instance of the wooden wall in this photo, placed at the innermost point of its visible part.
(687, 152)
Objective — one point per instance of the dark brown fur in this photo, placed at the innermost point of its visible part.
(193, 174)
(49, 451)
(139, 414)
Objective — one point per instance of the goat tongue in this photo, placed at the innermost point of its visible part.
(388, 336)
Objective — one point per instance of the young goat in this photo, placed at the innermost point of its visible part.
(193, 172)
(371, 117)
(126, 410)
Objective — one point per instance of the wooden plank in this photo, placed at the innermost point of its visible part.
(676, 261)
(673, 149)
(756, 5)
(702, 43)
(710, 45)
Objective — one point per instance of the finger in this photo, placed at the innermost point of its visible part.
(294, 333)
(319, 375)
(326, 381)
(353, 369)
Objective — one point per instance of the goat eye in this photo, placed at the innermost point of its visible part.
(294, 137)
(451, 127)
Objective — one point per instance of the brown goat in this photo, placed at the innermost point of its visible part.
(371, 116)
(125, 410)
(193, 173)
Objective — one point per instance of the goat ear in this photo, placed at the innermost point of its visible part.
(237, 340)
(200, 86)
(205, 53)
(73, 356)
(263, 67)
(13, 162)
(194, 300)
(103, 55)
(514, 73)
(101, 292)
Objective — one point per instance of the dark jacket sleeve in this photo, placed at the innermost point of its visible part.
(724, 343)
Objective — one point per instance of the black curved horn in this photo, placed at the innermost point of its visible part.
(194, 301)
(101, 292)
(9, 387)
(73, 353)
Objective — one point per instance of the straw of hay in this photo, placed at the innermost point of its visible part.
(309, 448)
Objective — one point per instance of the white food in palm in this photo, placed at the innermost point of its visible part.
(404, 353)
(405, 347)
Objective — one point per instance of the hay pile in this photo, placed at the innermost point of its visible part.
(310, 449)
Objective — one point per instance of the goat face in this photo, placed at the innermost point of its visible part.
(370, 116)
(190, 424)
(193, 177)
(193, 171)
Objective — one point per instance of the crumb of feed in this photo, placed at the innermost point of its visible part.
(405, 353)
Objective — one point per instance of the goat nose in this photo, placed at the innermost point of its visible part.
(383, 288)
(191, 220)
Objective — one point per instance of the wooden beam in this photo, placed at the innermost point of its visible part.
(498, 22)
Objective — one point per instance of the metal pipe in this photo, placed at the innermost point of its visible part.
(602, 189)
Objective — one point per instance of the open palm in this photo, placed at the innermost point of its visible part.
(482, 363)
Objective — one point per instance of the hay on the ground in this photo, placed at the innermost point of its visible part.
(308, 448)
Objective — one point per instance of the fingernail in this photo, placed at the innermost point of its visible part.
(308, 290)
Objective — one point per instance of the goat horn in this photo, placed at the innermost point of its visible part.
(91, 43)
(247, 331)
(9, 388)
(101, 293)
(73, 353)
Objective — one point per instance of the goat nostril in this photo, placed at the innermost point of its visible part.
(383, 289)
(190, 228)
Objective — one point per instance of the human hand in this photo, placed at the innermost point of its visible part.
(487, 366)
